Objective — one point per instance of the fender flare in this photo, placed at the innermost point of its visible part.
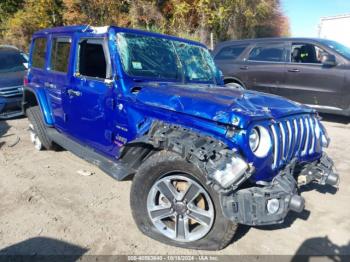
(41, 101)
(205, 152)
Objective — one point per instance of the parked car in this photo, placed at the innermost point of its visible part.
(311, 71)
(13, 64)
(152, 107)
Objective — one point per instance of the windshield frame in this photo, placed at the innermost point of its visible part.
(181, 77)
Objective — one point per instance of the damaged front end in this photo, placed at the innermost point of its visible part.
(244, 199)
(270, 202)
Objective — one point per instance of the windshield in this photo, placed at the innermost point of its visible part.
(12, 61)
(146, 56)
(342, 49)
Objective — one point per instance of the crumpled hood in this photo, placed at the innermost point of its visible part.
(218, 103)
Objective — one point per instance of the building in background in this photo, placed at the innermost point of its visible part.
(335, 28)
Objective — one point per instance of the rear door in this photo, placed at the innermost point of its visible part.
(229, 60)
(264, 66)
(40, 78)
(58, 80)
(310, 82)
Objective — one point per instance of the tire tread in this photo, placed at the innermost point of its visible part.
(35, 117)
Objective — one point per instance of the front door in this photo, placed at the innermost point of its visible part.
(308, 81)
(90, 104)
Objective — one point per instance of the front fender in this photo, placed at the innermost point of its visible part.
(41, 100)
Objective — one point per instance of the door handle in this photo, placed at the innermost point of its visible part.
(294, 70)
(72, 92)
(244, 67)
(135, 90)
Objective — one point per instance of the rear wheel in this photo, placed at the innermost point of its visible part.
(37, 129)
(171, 203)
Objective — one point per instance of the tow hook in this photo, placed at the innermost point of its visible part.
(332, 179)
(297, 203)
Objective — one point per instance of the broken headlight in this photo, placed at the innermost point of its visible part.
(232, 172)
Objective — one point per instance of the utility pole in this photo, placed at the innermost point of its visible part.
(211, 41)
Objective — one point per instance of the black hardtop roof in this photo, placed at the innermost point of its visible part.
(105, 29)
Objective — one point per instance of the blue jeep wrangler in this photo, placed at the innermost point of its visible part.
(203, 157)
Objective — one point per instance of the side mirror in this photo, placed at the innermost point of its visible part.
(328, 60)
(221, 75)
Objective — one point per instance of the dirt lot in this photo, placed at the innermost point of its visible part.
(48, 208)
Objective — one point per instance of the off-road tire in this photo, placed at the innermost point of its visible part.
(154, 168)
(35, 117)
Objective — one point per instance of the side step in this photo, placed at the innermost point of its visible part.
(115, 169)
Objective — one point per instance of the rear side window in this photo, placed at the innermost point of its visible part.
(39, 52)
(60, 54)
(268, 53)
(92, 60)
(230, 52)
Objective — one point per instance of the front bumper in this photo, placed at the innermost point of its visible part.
(10, 107)
(270, 203)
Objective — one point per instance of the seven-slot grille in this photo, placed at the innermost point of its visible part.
(294, 137)
(11, 91)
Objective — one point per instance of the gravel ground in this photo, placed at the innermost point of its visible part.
(48, 207)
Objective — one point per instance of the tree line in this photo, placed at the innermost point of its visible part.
(194, 19)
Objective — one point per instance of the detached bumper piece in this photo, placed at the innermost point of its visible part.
(267, 204)
(270, 203)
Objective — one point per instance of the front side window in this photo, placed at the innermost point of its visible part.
(338, 47)
(147, 56)
(92, 59)
(60, 54)
(39, 53)
(230, 52)
(306, 53)
(268, 53)
(12, 61)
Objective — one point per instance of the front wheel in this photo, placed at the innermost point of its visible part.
(171, 203)
(235, 86)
